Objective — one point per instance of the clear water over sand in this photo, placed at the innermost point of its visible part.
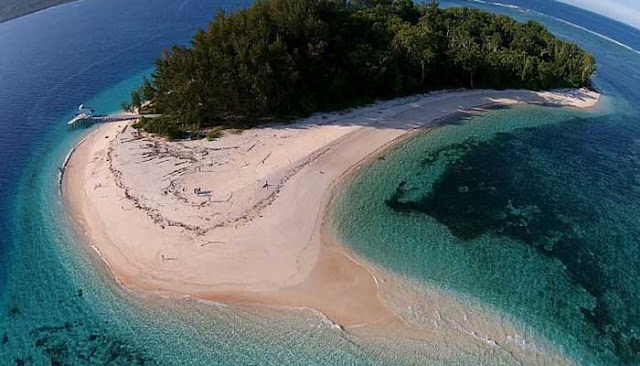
(530, 210)
(518, 208)
(570, 177)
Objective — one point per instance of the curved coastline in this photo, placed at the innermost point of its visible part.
(317, 273)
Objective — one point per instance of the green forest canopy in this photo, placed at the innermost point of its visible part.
(280, 59)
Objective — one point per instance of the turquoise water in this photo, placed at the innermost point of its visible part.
(61, 306)
(531, 210)
(571, 176)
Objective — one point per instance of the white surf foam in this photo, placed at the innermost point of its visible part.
(600, 35)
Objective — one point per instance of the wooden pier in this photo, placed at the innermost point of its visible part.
(83, 119)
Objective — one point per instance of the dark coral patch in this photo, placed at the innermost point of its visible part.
(68, 344)
(14, 311)
(503, 188)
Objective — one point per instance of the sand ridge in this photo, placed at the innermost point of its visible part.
(243, 218)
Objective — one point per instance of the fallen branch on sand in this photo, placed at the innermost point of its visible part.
(265, 158)
(224, 201)
(212, 242)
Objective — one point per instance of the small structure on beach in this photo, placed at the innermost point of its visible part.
(82, 115)
(84, 110)
(85, 115)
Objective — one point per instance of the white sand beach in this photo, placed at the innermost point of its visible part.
(242, 218)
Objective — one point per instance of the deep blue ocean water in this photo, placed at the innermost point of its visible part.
(55, 59)
(572, 176)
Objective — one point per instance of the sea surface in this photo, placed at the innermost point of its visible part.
(532, 211)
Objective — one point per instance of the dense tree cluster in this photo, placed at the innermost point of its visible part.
(288, 58)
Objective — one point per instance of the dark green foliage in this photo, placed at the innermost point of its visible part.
(294, 57)
(214, 134)
(136, 99)
(196, 135)
(138, 96)
(125, 106)
(162, 126)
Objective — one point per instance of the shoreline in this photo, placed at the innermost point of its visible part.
(312, 270)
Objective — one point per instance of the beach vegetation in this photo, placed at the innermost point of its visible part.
(125, 106)
(282, 59)
(138, 96)
(161, 126)
(214, 134)
(136, 99)
(196, 135)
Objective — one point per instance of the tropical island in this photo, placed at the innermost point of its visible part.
(284, 59)
(243, 216)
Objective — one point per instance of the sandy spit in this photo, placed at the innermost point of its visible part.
(242, 219)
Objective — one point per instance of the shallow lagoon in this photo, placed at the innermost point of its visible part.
(59, 304)
(525, 209)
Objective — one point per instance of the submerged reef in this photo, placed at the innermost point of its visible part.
(75, 341)
(528, 186)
